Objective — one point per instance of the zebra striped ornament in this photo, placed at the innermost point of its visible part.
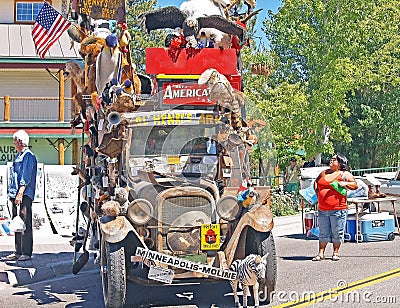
(250, 272)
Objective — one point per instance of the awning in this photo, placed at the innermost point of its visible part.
(17, 48)
(64, 133)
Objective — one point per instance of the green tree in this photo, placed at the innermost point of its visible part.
(325, 52)
(374, 125)
(141, 40)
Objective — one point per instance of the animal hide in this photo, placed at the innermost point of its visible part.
(73, 69)
(89, 50)
(221, 90)
(124, 103)
(111, 208)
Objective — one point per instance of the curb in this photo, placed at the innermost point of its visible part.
(20, 276)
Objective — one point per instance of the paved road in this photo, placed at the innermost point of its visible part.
(368, 274)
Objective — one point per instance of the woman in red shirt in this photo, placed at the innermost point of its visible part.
(332, 205)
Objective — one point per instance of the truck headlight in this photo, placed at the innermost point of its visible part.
(228, 208)
(139, 211)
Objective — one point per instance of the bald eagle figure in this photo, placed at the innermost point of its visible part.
(172, 17)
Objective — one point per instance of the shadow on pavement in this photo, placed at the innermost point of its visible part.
(51, 293)
(299, 236)
(297, 258)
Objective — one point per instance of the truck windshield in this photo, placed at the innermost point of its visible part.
(174, 149)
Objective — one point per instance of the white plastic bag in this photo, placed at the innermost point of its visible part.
(17, 224)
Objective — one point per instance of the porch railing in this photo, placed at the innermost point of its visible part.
(35, 109)
(361, 172)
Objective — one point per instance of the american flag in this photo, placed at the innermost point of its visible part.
(48, 27)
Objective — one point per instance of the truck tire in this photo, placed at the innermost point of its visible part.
(267, 245)
(262, 243)
(113, 274)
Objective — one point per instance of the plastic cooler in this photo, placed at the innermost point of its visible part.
(309, 220)
(377, 227)
(350, 234)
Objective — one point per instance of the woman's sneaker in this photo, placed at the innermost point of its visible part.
(13, 256)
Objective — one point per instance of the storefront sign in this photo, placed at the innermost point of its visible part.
(7, 153)
(185, 264)
(103, 9)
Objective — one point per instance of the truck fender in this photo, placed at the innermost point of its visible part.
(259, 218)
(117, 229)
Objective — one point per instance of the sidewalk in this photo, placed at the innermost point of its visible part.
(52, 256)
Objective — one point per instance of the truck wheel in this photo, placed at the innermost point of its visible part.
(262, 243)
(391, 236)
(113, 274)
(268, 246)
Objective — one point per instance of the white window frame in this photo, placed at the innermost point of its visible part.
(27, 2)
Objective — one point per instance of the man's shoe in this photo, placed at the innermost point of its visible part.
(24, 258)
(13, 256)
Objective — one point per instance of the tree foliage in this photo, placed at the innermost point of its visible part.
(140, 39)
(332, 59)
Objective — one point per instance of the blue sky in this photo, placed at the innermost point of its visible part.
(266, 5)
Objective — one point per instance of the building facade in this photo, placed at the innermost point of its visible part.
(34, 94)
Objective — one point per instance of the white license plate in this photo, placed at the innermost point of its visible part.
(161, 274)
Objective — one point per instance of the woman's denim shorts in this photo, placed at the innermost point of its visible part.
(332, 225)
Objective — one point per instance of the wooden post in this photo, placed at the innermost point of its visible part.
(75, 152)
(61, 150)
(86, 70)
(6, 108)
(61, 96)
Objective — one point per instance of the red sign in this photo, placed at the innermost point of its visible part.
(186, 94)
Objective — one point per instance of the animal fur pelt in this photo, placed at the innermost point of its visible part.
(77, 33)
(79, 104)
(74, 70)
(251, 4)
(111, 208)
(89, 50)
(124, 103)
(221, 90)
(195, 9)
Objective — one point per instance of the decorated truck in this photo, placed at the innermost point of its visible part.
(165, 175)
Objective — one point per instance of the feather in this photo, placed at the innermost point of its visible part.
(166, 17)
(172, 17)
(224, 25)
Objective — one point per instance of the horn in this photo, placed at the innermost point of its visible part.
(114, 118)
